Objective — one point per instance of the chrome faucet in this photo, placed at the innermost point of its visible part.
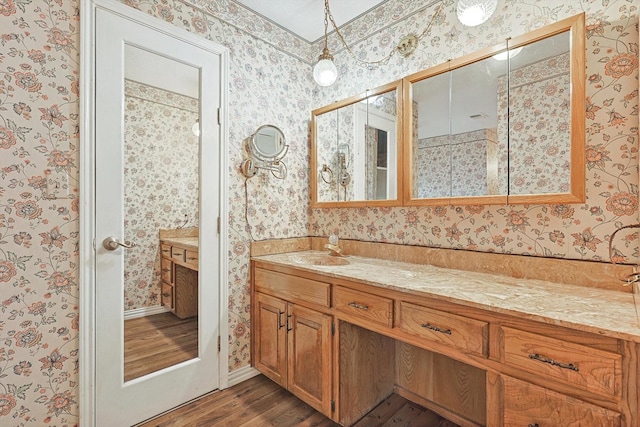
(333, 247)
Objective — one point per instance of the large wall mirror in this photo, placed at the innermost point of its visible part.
(503, 125)
(355, 157)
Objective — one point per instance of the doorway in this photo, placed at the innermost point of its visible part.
(153, 129)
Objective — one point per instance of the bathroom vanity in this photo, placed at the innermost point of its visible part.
(480, 349)
(179, 271)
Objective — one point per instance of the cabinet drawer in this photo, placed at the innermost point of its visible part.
(529, 405)
(293, 288)
(364, 305)
(470, 335)
(191, 258)
(165, 270)
(177, 253)
(166, 296)
(583, 367)
(165, 251)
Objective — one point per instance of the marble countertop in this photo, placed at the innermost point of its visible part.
(190, 243)
(588, 309)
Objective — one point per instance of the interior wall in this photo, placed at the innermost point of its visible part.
(39, 65)
(576, 231)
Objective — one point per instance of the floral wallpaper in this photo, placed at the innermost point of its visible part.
(540, 87)
(161, 182)
(457, 165)
(38, 236)
(270, 83)
(576, 231)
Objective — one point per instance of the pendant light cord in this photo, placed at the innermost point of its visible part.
(371, 65)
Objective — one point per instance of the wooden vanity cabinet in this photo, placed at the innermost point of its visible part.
(292, 344)
(476, 367)
(179, 276)
(529, 405)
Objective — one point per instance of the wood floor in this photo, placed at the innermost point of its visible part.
(259, 402)
(156, 342)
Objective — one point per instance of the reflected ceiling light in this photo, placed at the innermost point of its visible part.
(475, 12)
(325, 72)
(502, 56)
(196, 128)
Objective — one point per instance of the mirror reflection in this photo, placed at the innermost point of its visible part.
(495, 125)
(162, 111)
(539, 122)
(268, 142)
(356, 149)
(457, 152)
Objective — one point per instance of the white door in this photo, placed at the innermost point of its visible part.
(118, 39)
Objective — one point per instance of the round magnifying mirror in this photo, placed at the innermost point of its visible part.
(268, 142)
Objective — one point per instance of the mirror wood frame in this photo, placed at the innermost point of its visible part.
(314, 171)
(576, 26)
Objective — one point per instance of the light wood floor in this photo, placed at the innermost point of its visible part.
(156, 342)
(259, 402)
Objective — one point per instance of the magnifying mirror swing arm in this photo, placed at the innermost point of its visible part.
(257, 160)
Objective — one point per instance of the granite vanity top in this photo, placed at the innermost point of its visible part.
(190, 243)
(588, 309)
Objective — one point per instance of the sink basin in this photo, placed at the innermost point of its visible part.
(320, 260)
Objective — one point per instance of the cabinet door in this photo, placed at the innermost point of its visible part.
(270, 340)
(309, 365)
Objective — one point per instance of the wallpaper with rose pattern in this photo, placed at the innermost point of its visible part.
(544, 159)
(270, 83)
(161, 182)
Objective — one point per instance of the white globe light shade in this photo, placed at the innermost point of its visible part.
(325, 72)
(475, 12)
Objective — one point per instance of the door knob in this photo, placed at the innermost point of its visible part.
(111, 244)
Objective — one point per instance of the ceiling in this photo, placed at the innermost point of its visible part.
(306, 17)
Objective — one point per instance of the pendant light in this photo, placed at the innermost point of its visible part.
(475, 12)
(325, 72)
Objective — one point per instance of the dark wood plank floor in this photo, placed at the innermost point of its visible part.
(259, 402)
(156, 342)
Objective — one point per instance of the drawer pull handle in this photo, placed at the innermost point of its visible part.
(191, 258)
(358, 306)
(437, 329)
(552, 362)
(166, 295)
(280, 321)
(534, 425)
(289, 328)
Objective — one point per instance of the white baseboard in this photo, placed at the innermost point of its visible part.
(242, 374)
(144, 311)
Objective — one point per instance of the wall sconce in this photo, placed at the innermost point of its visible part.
(266, 149)
(475, 12)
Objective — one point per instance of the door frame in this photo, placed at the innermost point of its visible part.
(87, 227)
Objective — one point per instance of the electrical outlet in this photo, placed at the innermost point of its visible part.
(57, 185)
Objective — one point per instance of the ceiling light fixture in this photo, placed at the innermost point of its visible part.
(325, 72)
(475, 12)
